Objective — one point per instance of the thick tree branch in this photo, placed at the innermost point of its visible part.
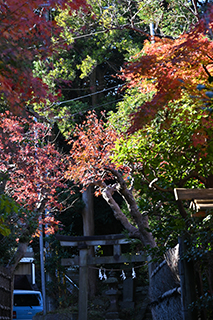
(194, 2)
(19, 254)
(140, 219)
(107, 194)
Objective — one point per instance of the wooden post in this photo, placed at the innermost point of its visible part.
(88, 212)
(88, 229)
(187, 281)
(83, 283)
(116, 250)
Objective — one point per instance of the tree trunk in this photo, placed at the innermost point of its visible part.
(88, 229)
(93, 86)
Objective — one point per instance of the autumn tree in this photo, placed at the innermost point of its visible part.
(25, 36)
(171, 68)
(31, 171)
(26, 30)
(85, 63)
(173, 79)
(149, 160)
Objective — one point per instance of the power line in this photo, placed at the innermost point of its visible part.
(120, 28)
(91, 108)
(78, 98)
(90, 34)
(88, 95)
(97, 107)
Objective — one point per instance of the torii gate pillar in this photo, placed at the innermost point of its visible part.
(83, 283)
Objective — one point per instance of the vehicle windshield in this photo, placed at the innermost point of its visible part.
(21, 300)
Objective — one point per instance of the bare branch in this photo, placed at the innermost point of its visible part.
(195, 8)
(194, 12)
(153, 184)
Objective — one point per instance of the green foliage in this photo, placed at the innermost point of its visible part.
(200, 244)
(95, 46)
(174, 150)
(97, 42)
(86, 67)
(68, 115)
(165, 148)
(121, 119)
(163, 153)
(7, 207)
(150, 11)
(15, 227)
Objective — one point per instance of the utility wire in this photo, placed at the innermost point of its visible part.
(99, 106)
(120, 28)
(89, 109)
(78, 98)
(86, 96)
(90, 34)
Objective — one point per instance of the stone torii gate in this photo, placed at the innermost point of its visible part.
(84, 260)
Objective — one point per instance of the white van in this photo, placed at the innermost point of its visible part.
(26, 303)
